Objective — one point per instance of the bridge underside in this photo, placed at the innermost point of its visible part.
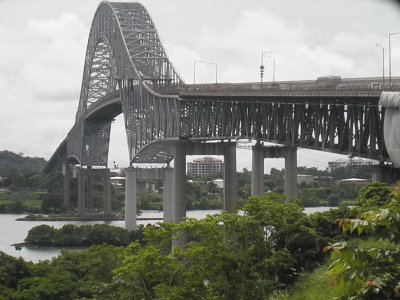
(127, 71)
(349, 126)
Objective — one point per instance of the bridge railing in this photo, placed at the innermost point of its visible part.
(342, 85)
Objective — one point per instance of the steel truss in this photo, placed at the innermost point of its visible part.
(125, 64)
(342, 128)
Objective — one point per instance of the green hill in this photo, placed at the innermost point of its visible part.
(10, 161)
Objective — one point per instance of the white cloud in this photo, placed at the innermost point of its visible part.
(41, 64)
(42, 54)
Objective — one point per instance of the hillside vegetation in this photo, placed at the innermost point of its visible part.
(10, 161)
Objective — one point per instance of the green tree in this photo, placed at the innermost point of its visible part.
(376, 194)
(12, 270)
(225, 256)
(333, 200)
(369, 269)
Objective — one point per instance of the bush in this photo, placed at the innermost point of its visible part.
(85, 235)
(374, 195)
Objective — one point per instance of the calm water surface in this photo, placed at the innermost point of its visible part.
(12, 231)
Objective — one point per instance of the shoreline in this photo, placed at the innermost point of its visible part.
(33, 218)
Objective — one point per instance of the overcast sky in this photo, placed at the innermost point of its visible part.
(43, 43)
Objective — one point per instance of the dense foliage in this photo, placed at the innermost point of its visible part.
(11, 162)
(370, 269)
(84, 235)
(225, 256)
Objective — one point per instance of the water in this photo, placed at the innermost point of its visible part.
(12, 231)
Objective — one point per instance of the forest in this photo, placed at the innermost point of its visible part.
(28, 190)
(270, 250)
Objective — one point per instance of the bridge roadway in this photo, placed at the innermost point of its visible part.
(127, 71)
(354, 92)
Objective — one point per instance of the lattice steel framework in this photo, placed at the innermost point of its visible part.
(124, 55)
(354, 128)
(126, 64)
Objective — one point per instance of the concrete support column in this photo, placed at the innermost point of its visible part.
(257, 171)
(291, 188)
(179, 183)
(81, 191)
(130, 199)
(89, 188)
(377, 173)
(167, 195)
(107, 192)
(230, 182)
(179, 189)
(141, 187)
(67, 186)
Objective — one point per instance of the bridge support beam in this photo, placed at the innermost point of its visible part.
(130, 199)
(377, 173)
(81, 192)
(230, 182)
(179, 189)
(179, 183)
(67, 186)
(107, 192)
(385, 173)
(291, 188)
(167, 195)
(257, 171)
(89, 188)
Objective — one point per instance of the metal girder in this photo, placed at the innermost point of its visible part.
(355, 129)
(127, 70)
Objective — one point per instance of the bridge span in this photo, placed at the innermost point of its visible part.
(127, 71)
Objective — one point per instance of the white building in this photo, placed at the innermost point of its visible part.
(307, 179)
(355, 163)
(205, 165)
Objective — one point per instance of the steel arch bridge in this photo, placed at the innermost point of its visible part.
(127, 71)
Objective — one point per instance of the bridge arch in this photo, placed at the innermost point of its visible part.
(126, 65)
(124, 55)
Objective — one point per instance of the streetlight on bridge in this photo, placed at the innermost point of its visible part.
(216, 71)
(273, 72)
(390, 59)
(194, 70)
(383, 64)
(262, 64)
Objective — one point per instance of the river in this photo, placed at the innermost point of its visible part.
(12, 231)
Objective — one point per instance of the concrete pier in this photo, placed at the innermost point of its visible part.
(257, 171)
(81, 192)
(86, 177)
(107, 192)
(67, 186)
(230, 182)
(179, 183)
(167, 195)
(89, 188)
(130, 199)
(291, 188)
(179, 189)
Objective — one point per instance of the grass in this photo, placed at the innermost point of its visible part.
(20, 195)
(317, 285)
(31, 201)
(310, 286)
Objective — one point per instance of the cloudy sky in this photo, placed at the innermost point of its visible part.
(43, 43)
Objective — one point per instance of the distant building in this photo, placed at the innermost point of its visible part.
(355, 181)
(307, 179)
(118, 181)
(219, 183)
(339, 163)
(355, 163)
(205, 165)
